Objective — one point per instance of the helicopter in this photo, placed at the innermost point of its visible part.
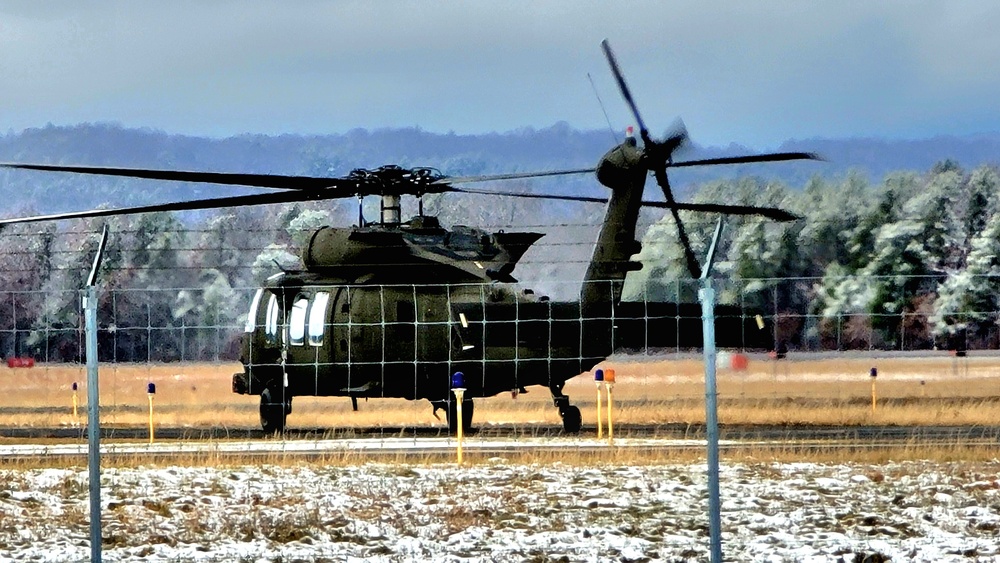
(405, 309)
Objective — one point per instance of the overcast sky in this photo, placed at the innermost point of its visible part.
(755, 73)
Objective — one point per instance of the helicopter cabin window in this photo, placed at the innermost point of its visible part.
(317, 318)
(297, 322)
(252, 315)
(271, 320)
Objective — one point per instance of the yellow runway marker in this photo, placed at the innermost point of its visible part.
(150, 391)
(599, 379)
(609, 381)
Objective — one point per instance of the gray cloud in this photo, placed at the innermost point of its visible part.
(750, 72)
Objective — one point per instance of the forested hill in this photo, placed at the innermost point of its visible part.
(902, 255)
(558, 146)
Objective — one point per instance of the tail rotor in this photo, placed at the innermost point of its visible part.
(658, 156)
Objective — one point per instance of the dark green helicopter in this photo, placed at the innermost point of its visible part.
(395, 308)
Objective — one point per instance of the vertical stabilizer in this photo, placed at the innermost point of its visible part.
(622, 171)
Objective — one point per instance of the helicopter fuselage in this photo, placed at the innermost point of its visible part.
(395, 310)
(309, 336)
(408, 340)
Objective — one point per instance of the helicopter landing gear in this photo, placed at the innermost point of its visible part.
(467, 408)
(570, 414)
(572, 420)
(273, 411)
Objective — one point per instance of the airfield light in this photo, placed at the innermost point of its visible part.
(150, 391)
(609, 382)
(76, 402)
(874, 374)
(599, 380)
(458, 387)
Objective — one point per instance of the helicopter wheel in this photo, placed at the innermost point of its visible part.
(273, 411)
(467, 409)
(571, 419)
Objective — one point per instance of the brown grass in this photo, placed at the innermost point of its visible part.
(910, 391)
(752, 454)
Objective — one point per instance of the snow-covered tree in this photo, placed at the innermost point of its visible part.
(970, 298)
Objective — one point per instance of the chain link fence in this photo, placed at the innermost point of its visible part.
(205, 324)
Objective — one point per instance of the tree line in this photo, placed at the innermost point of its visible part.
(908, 262)
(911, 262)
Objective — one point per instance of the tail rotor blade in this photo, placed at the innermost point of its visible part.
(692, 261)
(626, 93)
(677, 138)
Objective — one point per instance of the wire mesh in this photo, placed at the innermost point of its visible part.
(198, 324)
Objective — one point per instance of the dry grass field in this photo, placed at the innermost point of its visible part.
(816, 391)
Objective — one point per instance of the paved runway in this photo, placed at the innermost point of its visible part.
(407, 442)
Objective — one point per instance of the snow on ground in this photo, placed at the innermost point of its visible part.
(497, 511)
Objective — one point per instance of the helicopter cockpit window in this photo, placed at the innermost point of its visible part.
(297, 322)
(252, 315)
(271, 320)
(317, 318)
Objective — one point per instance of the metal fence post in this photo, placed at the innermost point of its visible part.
(93, 404)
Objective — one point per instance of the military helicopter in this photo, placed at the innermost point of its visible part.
(397, 308)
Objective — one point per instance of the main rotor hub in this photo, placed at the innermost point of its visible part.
(392, 180)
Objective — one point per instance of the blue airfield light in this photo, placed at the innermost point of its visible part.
(74, 386)
(458, 380)
(599, 375)
(151, 388)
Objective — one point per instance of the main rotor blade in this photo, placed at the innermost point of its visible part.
(770, 157)
(694, 267)
(473, 179)
(626, 93)
(252, 180)
(773, 213)
(215, 203)
(768, 212)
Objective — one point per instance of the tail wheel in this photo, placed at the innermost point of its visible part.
(273, 410)
(571, 419)
(467, 409)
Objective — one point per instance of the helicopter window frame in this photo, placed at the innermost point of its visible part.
(251, 323)
(297, 321)
(271, 320)
(317, 317)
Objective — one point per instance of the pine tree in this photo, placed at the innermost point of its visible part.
(969, 299)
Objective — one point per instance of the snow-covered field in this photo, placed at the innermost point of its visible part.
(497, 511)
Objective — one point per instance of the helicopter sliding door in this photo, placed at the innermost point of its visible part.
(372, 341)
(417, 343)
(359, 333)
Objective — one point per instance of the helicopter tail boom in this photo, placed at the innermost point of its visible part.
(621, 171)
